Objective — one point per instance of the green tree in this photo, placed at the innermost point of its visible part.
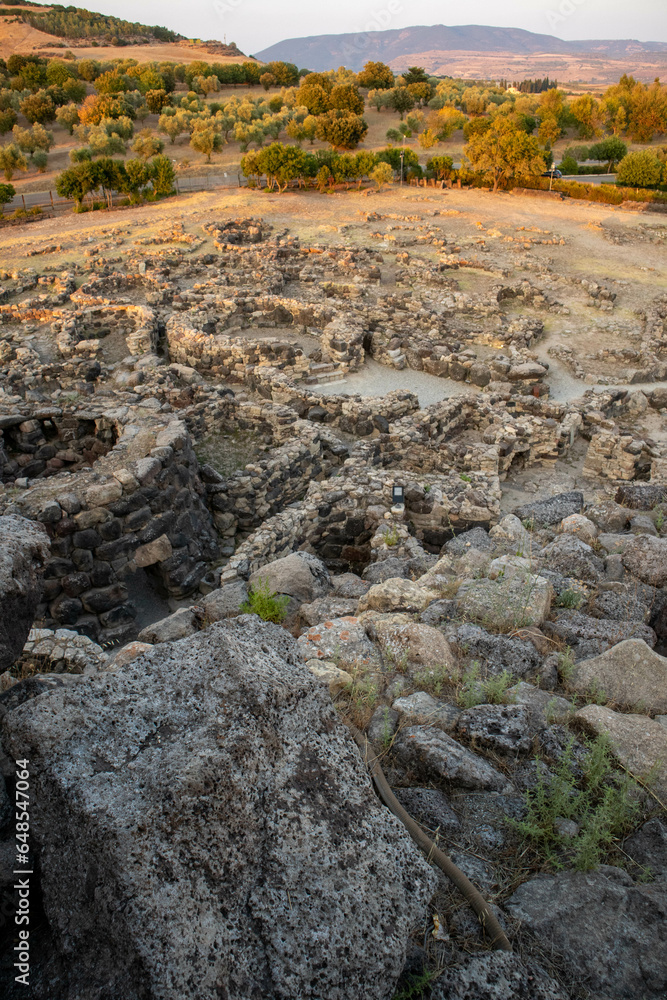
(38, 107)
(68, 117)
(504, 152)
(173, 126)
(588, 115)
(314, 97)
(340, 129)
(376, 76)
(163, 175)
(7, 121)
(11, 160)
(76, 182)
(156, 101)
(147, 144)
(612, 150)
(59, 72)
(421, 92)
(281, 164)
(7, 194)
(641, 170)
(41, 161)
(441, 166)
(206, 139)
(74, 91)
(382, 174)
(267, 80)
(415, 74)
(364, 165)
(89, 69)
(346, 97)
(401, 100)
(137, 176)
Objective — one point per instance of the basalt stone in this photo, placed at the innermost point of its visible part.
(552, 510)
(199, 717)
(105, 598)
(588, 918)
(24, 550)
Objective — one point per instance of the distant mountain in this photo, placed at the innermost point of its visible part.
(322, 52)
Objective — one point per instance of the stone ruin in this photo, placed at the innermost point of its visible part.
(172, 431)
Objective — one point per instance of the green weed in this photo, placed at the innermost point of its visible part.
(569, 599)
(489, 691)
(416, 987)
(264, 602)
(566, 666)
(598, 798)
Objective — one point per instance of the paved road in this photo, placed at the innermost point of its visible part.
(591, 178)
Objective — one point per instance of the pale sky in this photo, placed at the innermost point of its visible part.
(256, 24)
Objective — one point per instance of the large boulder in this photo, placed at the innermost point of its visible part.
(301, 576)
(607, 931)
(591, 636)
(495, 653)
(403, 640)
(432, 755)
(24, 549)
(630, 674)
(208, 829)
(495, 975)
(552, 510)
(572, 557)
(396, 595)
(342, 640)
(639, 743)
(506, 604)
(646, 558)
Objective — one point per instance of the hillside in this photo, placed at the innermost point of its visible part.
(38, 28)
(433, 45)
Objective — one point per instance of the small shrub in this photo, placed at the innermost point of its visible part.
(265, 603)
(465, 478)
(601, 801)
(489, 691)
(392, 536)
(569, 599)
(566, 666)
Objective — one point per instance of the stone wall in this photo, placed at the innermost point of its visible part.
(141, 506)
(339, 516)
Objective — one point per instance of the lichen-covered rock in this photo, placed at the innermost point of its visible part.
(502, 728)
(495, 653)
(646, 558)
(570, 555)
(495, 975)
(401, 639)
(552, 510)
(224, 840)
(341, 640)
(591, 636)
(604, 928)
(630, 674)
(421, 709)
(396, 595)
(506, 604)
(300, 575)
(432, 755)
(638, 742)
(24, 549)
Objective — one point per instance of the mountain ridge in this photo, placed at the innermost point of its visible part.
(321, 52)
